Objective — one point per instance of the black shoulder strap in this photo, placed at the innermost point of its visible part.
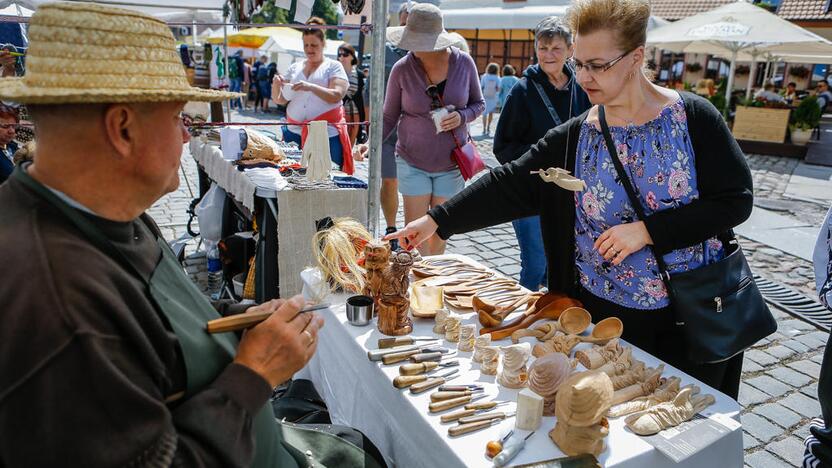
(625, 180)
(546, 101)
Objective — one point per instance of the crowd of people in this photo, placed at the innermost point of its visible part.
(115, 337)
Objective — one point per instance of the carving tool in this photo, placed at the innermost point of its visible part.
(474, 409)
(441, 396)
(404, 381)
(423, 367)
(493, 447)
(377, 354)
(445, 405)
(486, 417)
(466, 428)
(510, 451)
(248, 319)
(393, 358)
(430, 383)
(428, 355)
(458, 388)
(384, 343)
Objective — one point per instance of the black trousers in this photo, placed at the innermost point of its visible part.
(655, 332)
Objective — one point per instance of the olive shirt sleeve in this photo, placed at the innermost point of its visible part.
(723, 179)
(87, 367)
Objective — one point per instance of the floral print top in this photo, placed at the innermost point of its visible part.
(658, 157)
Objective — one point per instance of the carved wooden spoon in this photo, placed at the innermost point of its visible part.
(492, 315)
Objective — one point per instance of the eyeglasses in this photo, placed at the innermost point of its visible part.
(595, 68)
(344, 54)
(433, 92)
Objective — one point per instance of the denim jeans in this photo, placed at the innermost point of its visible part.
(235, 85)
(532, 255)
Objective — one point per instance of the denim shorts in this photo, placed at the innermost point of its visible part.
(415, 182)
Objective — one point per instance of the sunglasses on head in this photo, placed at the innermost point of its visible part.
(433, 92)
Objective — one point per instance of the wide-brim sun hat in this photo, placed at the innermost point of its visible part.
(83, 53)
(424, 31)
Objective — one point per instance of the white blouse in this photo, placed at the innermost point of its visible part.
(305, 105)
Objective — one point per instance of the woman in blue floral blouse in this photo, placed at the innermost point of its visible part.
(688, 172)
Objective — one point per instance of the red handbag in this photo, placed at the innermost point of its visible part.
(466, 156)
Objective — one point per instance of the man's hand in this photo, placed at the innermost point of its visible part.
(282, 344)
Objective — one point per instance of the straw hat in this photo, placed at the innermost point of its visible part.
(424, 31)
(87, 53)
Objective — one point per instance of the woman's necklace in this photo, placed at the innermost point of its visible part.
(559, 82)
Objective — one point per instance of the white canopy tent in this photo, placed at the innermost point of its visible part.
(152, 7)
(738, 30)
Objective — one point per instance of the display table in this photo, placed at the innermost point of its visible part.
(360, 394)
(286, 217)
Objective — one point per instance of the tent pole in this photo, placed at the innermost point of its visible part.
(225, 60)
(730, 85)
(377, 87)
(768, 69)
(751, 72)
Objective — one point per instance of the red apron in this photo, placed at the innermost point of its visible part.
(335, 117)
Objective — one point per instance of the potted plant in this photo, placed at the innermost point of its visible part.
(693, 67)
(804, 119)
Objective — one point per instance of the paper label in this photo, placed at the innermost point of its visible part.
(680, 442)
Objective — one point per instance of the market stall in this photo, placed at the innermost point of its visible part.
(359, 393)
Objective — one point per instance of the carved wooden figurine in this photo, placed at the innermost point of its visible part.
(467, 334)
(480, 343)
(670, 413)
(666, 392)
(490, 356)
(388, 283)
(439, 321)
(545, 376)
(513, 372)
(582, 401)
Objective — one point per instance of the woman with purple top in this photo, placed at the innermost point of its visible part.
(432, 76)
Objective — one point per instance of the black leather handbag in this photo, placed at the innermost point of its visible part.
(719, 307)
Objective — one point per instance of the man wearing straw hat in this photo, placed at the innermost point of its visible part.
(104, 360)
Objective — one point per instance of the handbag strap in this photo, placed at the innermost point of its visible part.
(441, 101)
(628, 185)
(547, 102)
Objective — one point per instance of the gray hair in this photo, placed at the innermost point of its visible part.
(550, 28)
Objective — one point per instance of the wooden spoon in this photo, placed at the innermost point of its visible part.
(552, 310)
(574, 321)
(492, 315)
(604, 331)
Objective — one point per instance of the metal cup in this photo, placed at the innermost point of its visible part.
(360, 310)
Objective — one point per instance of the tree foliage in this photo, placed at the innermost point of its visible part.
(324, 9)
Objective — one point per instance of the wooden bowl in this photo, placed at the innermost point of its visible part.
(574, 320)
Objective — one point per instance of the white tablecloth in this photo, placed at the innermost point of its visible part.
(360, 394)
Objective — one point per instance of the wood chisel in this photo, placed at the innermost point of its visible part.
(429, 384)
(469, 411)
(445, 405)
(432, 350)
(384, 343)
(510, 451)
(404, 381)
(486, 417)
(458, 388)
(466, 428)
(423, 367)
(248, 319)
(441, 396)
(428, 356)
(377, 354)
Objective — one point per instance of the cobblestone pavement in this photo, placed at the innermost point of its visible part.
(779, 382)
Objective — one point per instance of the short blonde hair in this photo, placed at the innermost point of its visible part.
(628, 19)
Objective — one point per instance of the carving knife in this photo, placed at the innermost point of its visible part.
(377, 354)
(248, 319)
(429, 384)
(444, 405)
(384, 343)
(464, 413)
(458, 388)
(404, 381)
(486, 417)
(422, 367)
(393, 358)
(441, 396)
(428, 355)
(471, 427)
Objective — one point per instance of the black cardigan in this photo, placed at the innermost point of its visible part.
(510, 192)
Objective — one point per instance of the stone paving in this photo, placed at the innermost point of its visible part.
(779, 383)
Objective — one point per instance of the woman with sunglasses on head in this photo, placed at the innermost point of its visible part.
(525, 119)
(690, 175)
(354, 109)
(313, 89)
(432, 76)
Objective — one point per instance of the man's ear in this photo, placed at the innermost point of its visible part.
(120, 128)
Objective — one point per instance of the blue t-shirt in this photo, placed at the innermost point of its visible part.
(658, 157)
